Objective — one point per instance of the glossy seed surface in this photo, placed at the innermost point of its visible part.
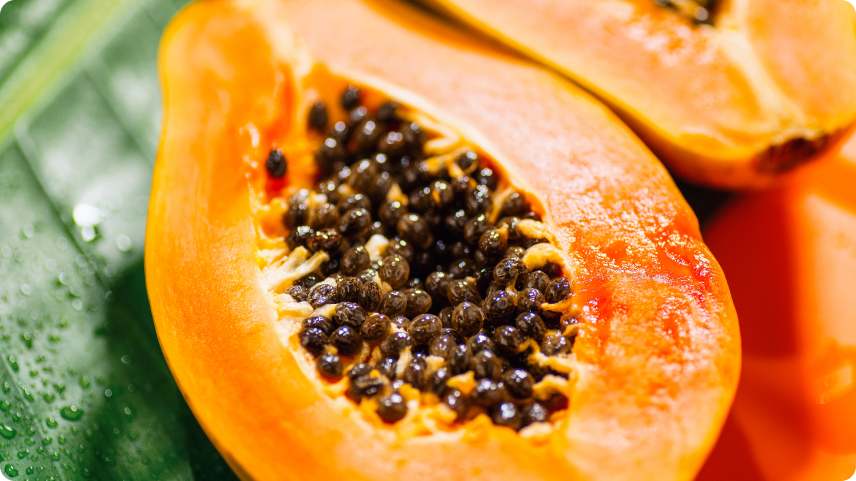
(392, 408)
(329, 366)
(276, 164)
(375, 327)
(346, 340)
(425, 274)
(318, 116)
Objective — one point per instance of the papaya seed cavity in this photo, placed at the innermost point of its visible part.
(419, 267)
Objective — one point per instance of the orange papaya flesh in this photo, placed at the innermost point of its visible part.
(761, 88)
(790, 257)
(658, 348)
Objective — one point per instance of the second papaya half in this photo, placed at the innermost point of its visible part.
(790, 257)
(727, 93)
(379, 248)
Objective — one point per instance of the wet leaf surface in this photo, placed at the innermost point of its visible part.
(84, 389)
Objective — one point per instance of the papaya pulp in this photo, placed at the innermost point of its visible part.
(790, 257)
(727, 93)
(657, 353)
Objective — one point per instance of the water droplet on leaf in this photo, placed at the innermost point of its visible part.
(123, 242)
(71, 413)
(7, 431)
(27, 394)
(88, 233)
(86, 215)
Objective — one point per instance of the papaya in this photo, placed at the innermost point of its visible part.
(790, 257)
(727, 94)
(381, 248)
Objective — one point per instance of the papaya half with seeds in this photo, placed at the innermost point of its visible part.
(727, 93)
(378, 248)
(790, 257)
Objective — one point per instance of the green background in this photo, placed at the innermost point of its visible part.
(86, 393)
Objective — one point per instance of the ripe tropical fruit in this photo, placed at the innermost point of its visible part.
(790, 257)
(727, 93)
(378, 248)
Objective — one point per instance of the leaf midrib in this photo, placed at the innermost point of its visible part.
(46, 68)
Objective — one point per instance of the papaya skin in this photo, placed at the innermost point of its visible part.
(660, 347)
(790, 257)
(770, 86)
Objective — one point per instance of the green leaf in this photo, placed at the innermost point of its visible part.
(84, 389)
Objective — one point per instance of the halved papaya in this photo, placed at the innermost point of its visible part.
(790, 257)
(382, 249)
(727, 93)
